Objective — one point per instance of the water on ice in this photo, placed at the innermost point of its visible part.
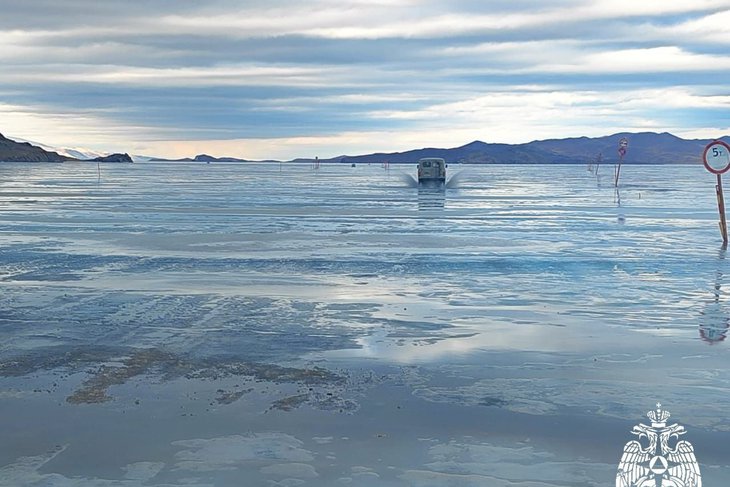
(212, 324)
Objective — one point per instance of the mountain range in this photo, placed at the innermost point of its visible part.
(643, 148)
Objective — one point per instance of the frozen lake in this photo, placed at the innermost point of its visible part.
(251, 324)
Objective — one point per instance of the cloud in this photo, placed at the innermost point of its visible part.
(648, 60)
(269, 75)
(515, 115)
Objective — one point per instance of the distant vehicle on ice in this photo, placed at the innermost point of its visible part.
(431, 171)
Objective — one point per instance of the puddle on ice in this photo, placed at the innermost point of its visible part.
(237, 325)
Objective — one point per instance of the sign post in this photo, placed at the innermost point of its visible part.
(623, 146)
(716, 158)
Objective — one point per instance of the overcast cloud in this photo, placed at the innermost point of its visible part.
(282, 79)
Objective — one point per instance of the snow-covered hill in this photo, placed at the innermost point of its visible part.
(81, 153)
(75, 152)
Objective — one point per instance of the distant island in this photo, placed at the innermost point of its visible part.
(201, 158)
(116, 157)
(644, 148)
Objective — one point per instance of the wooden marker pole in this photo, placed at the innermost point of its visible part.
(623, 146)
(721, 209)
(716, 158)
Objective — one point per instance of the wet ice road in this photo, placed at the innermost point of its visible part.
(519, 294)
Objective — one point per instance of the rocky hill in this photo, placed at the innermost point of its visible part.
(113, 158)
(12, 151)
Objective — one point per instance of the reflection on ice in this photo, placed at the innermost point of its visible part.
(277, 307)
(715, 317)
(431, 198)
(714, 326)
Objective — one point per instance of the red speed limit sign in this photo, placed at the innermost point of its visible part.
(717, 157)
(623, 146)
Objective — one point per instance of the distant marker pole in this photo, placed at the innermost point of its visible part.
(623, 146)
(716, 159)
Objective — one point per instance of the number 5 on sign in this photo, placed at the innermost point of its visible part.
(717, 157)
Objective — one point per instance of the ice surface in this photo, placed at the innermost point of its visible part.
(250, 325)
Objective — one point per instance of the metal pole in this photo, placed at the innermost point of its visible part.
(618, 171)
(721, 209)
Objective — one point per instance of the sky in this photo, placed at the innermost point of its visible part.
(280, 79)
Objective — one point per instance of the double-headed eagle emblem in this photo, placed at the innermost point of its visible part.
(658, 464)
